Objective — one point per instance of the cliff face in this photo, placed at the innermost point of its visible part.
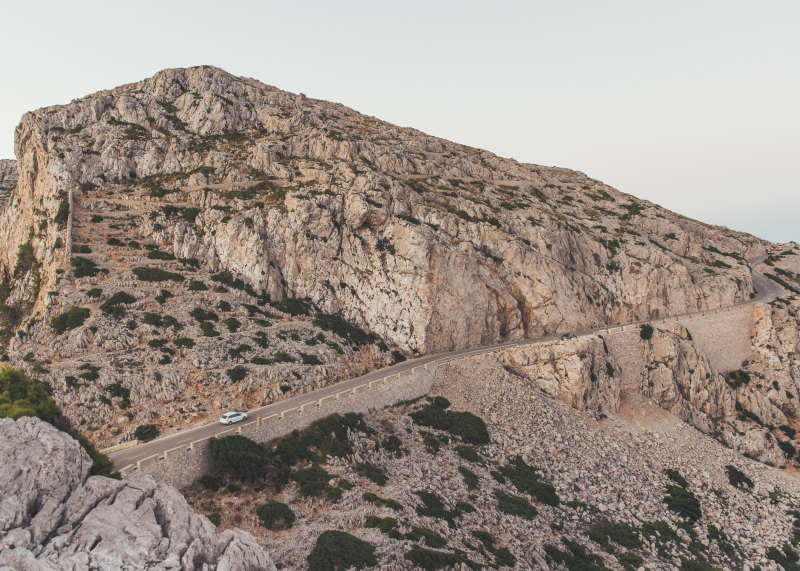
(53, 515)
(426, 244)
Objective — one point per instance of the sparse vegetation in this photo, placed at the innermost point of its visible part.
(146, 432)
(74, 317)
(340, 550)
(275, 515)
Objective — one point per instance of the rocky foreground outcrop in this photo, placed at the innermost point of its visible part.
(53, 515)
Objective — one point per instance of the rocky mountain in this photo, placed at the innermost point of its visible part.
(8, 179)
(197, 242)
(53, 515)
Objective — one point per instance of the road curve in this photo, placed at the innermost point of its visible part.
(766, 291)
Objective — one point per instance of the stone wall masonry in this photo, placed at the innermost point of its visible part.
(181, 466)
(723, 335)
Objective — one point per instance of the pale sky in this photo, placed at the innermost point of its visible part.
(691, 104)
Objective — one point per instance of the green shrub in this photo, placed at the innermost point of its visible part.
(201, 314)
(576, 556)
(22, 396)
(683, 502)
(94, 293)
(340, 550)
(432, 539)
(292, 306)
(622, 534)
(434, 507)
(469, 427)
(526, 479)
(146, 432)
(112, 307)
(470, 478)
(387, 525)
(737, 378)
(83, 267)
(430, 560)
(156, 275)
(646, 331)
(515, 505)
(236, 374)
(95, 218)
(210, 482)
(232, 324)
(190, 214)
(468, 453)
(197, 285)
(62, 214)
(379, 501)
(676, 477)
(310, 359)
(738, 478)
(374, 473)
(72, 318)
(208, 329)
(184, 342)
(238, 455)
(159, 255)
(215, 518)
(275, 515)
(351, 333)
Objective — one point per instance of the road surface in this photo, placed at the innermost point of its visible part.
(766, 290)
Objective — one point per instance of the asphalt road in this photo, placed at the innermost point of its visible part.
(765, 288)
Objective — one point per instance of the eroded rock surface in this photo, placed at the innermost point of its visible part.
(53, 515)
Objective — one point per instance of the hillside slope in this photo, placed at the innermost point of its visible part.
(284, 243)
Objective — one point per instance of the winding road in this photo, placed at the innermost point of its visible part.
(766, 291)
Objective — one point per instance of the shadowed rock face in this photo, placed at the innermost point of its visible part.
(53, 515)
(427, 244)
(8, 179)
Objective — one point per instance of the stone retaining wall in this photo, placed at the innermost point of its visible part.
(182, 465)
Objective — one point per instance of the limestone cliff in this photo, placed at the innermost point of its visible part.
(266, 209)
(53, 515)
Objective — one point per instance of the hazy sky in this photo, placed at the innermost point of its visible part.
(690, 104)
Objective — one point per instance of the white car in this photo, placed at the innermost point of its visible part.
(231, 417)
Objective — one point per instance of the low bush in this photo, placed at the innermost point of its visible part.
(430, 560)
(159, 255)
(434, 507)
(232, 324)
(292, 306)
(215, 518)
(387, 525)
(738, 478)
(201, 314)
(469, 427)
(210, 482)
(379, 501)
(239, 456)
(622, 534)
(683, 502)
(70, 319)
(526, 479)
(646, 331)
(515, 505)
(156, 275)
(22, 396)
(372, 472)
(111, 306)
(432, 539)
(576, 556)
(208, 329)
(470, 478)
(94, 293)
(676, 477)
(83, 267)
(184, 342)
(197, 285)
(275, 515)
(468, 453)
(340, 550)
(236, 374)
(310, 359)
(351, 333)
(146, 432)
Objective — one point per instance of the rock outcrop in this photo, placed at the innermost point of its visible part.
(8, 179)
(53, 515)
